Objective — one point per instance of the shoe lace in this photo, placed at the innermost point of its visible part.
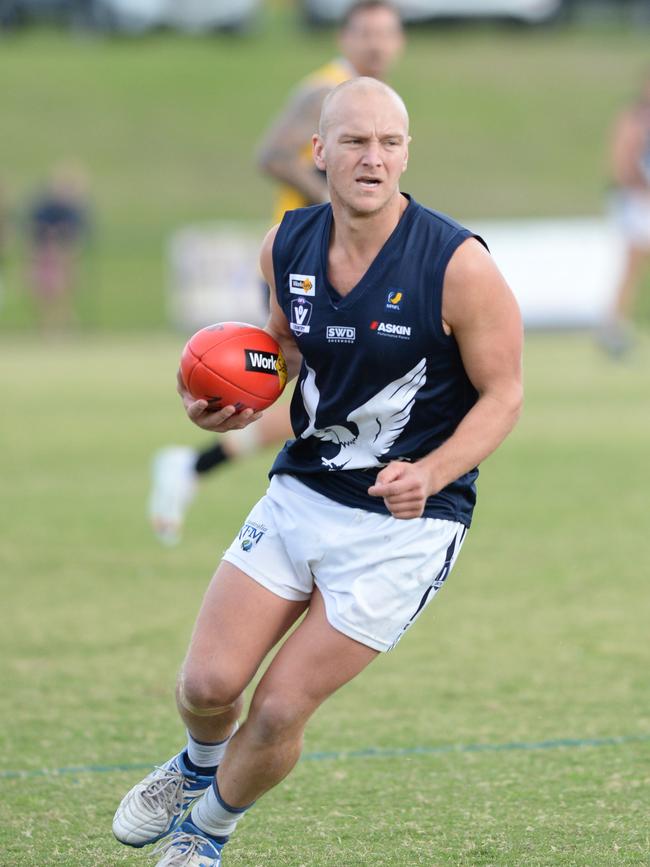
(165, 791)
(180, 848)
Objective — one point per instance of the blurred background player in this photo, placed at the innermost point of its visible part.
(630, 167)
(58, 223)
(4, 231)
(370, 39)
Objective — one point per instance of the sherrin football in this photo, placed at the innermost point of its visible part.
(232, 363)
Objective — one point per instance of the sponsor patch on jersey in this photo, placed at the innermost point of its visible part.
(300, 316)
(394, 299)
(250, 534)
(341, 334)
(391, 329)
(302, 284)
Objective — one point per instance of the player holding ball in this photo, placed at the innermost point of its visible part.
(406, 342)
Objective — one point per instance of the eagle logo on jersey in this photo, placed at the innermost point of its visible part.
(374, 427)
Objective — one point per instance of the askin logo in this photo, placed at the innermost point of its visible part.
(341, 334)
(394, 298)
(390, 329)
(261, 362)
(302, 284)
(300, 316)
(250, 534)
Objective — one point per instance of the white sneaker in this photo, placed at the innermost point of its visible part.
(156, 805)
(172, 490)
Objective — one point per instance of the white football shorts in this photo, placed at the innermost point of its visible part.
(376, 573)
(630, 210)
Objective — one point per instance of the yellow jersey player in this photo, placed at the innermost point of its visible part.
(370, 39)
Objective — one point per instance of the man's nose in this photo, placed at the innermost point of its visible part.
(372, 154)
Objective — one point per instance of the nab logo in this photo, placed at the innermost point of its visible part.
(390, 329)
(341, 334)
(300, 316)
(302, 284)
(394, 298)
(261, 362)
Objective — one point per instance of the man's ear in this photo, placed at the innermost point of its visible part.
(318, 151)
(406, 157)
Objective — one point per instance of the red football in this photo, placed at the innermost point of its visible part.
(234, 364)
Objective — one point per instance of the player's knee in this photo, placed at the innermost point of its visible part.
(207, 693)
(275, 717)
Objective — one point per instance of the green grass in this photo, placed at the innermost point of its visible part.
(505, 123)
(540, 634)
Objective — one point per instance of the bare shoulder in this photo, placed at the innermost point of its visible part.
(266, 254)
(629, 122)
(307, 98)
(474, 287)
(301, 112)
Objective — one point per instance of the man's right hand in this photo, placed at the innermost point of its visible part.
(225, 419)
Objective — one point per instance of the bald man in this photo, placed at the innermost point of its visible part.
(406, 342)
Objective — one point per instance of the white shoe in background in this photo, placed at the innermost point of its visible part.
(173, 486)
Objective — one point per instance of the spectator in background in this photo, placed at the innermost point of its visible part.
(630, 168)
(371, 40)
(58, 223)
(4, 228)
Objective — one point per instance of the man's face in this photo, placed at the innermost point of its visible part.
(372, 41)
(364, 150)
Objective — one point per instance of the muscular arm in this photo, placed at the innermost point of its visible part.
(281, 151)
(483, 315)
(277, 324)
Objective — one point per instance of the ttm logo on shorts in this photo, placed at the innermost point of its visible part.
(250, 534)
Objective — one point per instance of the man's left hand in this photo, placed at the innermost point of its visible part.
(404, 488)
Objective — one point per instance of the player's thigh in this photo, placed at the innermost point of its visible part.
(238, 623)
(312, 664)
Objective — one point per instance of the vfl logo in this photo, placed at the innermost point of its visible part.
(250, 534)
(300, 316)
(261, 362)
(302, 284)
(341, 334)
(393, 299)
(390, 329)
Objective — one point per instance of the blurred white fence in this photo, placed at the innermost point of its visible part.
(563, 271)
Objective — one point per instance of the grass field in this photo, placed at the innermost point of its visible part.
(539, 637)
(505, 122)
(511, 727)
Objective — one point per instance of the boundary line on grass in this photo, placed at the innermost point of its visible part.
(367, 753)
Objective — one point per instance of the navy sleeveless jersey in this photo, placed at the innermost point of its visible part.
(380, 380)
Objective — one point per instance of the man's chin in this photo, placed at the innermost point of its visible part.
(366, 208)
